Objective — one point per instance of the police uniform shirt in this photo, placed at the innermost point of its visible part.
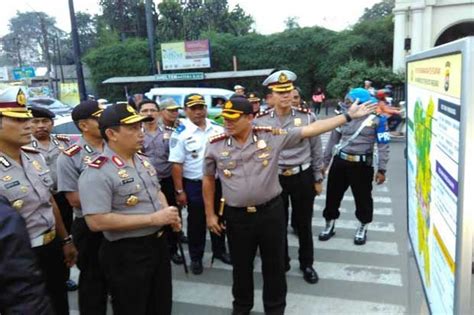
(108, 185)
(71, 163)
(50, 154)
(157, 148)
(309, 150)
(27, 188)
(187, 146)
(362, 144)
(249, 173)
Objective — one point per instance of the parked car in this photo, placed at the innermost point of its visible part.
(64, 125)
(52, 104)
(214, 97)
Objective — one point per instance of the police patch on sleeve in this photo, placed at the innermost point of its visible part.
(173, 142)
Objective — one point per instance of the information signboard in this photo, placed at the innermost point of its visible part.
(23, 73)
(437, 111)
(186, 55)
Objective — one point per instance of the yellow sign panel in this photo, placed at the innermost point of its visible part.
(69, 94)
(440, 74)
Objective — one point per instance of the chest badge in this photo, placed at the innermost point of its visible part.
(263, 155)
(37, 166)
(18, 204)
(7, 178)
(265, 163)
(227, 173)
(225, 153)
(166, 136)
(122, 173)
(87, 159)
(23, 189)
(261, 144)
(146, 164)
(132, 201)
(297, 122)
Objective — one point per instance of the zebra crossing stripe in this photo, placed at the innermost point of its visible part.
(354, 224)
(318, 207)
(220, 296)
(377, 199)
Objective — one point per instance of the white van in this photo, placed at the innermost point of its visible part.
(215, 98)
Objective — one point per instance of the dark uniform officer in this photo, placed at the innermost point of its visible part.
(23, 289)
(352, 166)
(50, 147)
(187, 146)
(157, 148)
(26, 183)
(120, 195)
(246, 161)
(71, 163)
(300, 168)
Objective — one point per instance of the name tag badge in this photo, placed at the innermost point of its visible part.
(12, 184)
(128, 181)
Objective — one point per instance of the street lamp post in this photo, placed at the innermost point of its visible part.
(77, 52)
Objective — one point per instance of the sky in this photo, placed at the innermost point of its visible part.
(269, 15)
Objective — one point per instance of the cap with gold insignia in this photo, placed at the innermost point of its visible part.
(120, 114)
(280, 81)
(253, 97)
(13, 103)
(169, 103)
(236, 106)
(86, 109)
(193, 100)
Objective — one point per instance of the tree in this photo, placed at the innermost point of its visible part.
(87, 27)
(291, 23)
(378, 10)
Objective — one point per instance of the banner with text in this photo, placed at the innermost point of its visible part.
(186, 55)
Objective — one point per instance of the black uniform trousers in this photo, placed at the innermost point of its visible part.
(167, 188)
(138, 273)
(264, 229)
(357, 175)
(92, 286)
(300, 189)
(197, 226)
(50, 259)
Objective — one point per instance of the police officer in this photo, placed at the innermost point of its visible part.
(26, 184)
(71, 163)
(23, 289)
(246, 161)
(120, 196)
(255, 101)
(156, 146)
(352, 148)
(187, 146)
(50, 147)
(300, 167)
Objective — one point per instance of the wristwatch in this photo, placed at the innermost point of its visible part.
(179, 191)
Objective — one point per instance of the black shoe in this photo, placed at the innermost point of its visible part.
(183, 238)
(224, 257)
(177, 258)
(310, 275)
(196, 267)
(329, 230)
(361, 234)
(71, 285)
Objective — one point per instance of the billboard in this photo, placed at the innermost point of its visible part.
(437, 110)
(69, 93)
(186, 55)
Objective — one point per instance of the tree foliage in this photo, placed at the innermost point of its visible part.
(378, 10)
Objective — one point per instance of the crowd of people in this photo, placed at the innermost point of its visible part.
(113, 201)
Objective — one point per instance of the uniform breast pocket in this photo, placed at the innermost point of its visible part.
(126, 196)
(192, 146)
(46, 179)
(227, 164)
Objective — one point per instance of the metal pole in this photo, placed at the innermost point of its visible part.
(59, 58)
(46, 52)
(77, 52)
(151, 35)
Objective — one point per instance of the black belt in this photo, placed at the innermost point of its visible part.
(193, 180)
(252, 209)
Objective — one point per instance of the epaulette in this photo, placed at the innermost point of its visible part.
(274, 131)
(302, 110)
(261, 114)
(30, 150)
(218, 137)
(63, 138)
(98, 162)
(72, 150)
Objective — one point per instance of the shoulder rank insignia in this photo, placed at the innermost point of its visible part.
(217, 138)
(63, 138)
(72, 150)
(30, 150)
(170, 128)
(274, 131)
(265, 112)
(98, 162)
(301, 110)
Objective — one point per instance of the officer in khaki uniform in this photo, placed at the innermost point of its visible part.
(353, 166)
(120, 196)
(71, 163)
(50, 147)
(25, 182)
(300, 167)
(245, 159)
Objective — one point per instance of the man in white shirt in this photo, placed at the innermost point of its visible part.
(187, 145)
